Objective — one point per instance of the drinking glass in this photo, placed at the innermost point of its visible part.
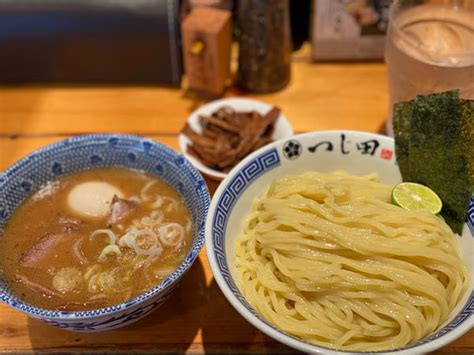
(430, 48)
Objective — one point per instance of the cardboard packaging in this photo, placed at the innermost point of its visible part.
(349, 29)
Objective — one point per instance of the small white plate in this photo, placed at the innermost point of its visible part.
(282, 127)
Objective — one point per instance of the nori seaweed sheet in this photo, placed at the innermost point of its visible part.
(402, 112)
(467, 134)
(440, 151)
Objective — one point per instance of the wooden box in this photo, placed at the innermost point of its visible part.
(206, 34)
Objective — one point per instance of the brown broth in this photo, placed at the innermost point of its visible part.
(101, 284)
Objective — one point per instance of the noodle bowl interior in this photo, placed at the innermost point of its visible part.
(94, 238)
(328, 258)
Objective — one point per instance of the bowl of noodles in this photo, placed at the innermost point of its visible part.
(96, 231)
(304, 242)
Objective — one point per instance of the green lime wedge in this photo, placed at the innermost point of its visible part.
(416, 197)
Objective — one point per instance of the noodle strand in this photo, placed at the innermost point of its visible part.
(329, 259)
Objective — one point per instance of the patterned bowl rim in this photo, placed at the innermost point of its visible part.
(454, 329)
(198, 242)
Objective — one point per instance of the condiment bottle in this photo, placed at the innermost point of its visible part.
(264, 45)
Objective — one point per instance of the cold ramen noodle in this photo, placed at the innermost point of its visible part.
(94, 239)
(328, 258)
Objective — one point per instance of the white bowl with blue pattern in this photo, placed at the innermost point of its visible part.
(105, 150)
(357, 153)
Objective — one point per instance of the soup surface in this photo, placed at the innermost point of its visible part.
(94, 239)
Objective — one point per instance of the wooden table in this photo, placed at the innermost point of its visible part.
(198, 318)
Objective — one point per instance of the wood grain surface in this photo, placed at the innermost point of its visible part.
(198, 318)
(322, 96)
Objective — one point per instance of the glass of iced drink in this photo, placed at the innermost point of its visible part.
(430, 48)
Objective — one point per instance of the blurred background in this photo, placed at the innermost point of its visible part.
(142, 40)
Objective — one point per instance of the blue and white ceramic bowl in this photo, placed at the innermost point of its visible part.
(104, 150)
(357, 153)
